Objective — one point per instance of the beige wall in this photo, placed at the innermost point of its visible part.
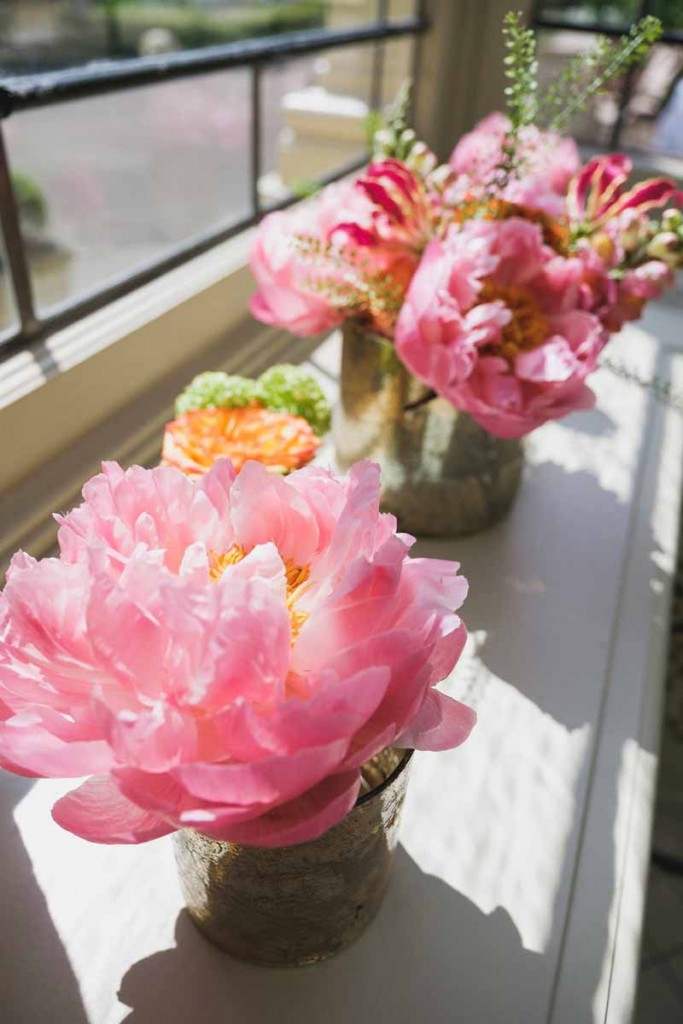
(460, 76)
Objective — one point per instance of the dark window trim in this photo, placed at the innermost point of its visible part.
(25, 92)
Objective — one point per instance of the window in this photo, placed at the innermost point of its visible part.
(191, 127)
(644, 110)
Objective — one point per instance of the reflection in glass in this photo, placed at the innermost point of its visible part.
(612, 13)
(654, 113)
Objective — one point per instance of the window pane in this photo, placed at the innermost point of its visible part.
(125, 178)
(314, 118)
(397, 67)
(58, 33)
(670, 12)
(653, 114)
(614, 13)
(555, 50)
(399, 9)
(350, 13)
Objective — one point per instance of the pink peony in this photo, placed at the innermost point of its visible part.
(351, 252)
(224, 655)
(294, 290)
(549, 162)
(493, 323)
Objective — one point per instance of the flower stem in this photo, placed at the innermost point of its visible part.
(428, 396)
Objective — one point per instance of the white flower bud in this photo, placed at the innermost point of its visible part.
(672, 219)
(667, 247)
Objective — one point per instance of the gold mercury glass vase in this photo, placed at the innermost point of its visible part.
(442, 474)
(295, 905)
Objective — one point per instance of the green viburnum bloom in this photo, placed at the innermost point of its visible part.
(217, 390)
(287, 388)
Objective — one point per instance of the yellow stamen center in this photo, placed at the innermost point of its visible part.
(528, 327)
(555, 230)
(296, 577)
(219, 563)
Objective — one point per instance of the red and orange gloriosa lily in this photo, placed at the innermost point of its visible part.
(597, 194)
(280, 441)
(403, 212)
(401, 218)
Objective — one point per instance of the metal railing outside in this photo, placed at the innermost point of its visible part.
(29, 92)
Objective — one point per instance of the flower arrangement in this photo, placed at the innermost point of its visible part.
(225, 654)
(277, 420)
(499, 276)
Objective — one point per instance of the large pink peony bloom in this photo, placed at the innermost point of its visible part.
(493, 323)
(224, 655)
(549, 162)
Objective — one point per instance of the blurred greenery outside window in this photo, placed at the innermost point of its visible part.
(616, 13)
(38, 34)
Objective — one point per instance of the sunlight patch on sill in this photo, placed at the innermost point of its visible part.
(502, 838)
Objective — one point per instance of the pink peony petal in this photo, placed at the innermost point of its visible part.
(441, 723)
(299, 821)
(269, 781)
(337, 708)
(26, 742)
(267, 509)
(98, 812)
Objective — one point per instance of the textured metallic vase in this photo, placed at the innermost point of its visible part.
(442, 474)
(295, 905)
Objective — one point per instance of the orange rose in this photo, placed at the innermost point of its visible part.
(280, 441)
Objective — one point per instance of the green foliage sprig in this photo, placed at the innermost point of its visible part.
(584, 77)
(572, 92)
(661, 390)
(281, 388)
(521, 70)
(392, 135)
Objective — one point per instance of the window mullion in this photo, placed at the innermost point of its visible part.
(15, 250)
